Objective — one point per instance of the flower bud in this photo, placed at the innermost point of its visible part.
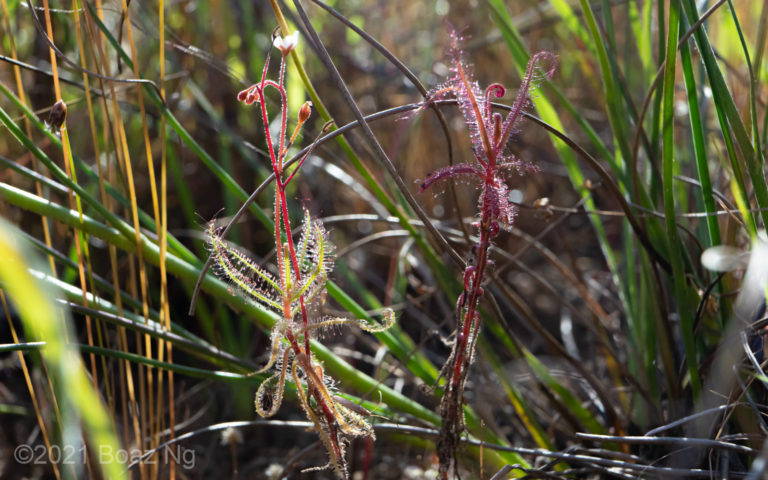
(248, 95)
(305, 111)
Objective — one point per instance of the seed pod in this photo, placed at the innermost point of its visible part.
(58, 115)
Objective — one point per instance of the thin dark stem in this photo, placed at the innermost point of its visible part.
(76, 66)
(378, 151)
(594, 164)
(419, 86)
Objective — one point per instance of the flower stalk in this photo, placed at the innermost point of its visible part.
(298, 289)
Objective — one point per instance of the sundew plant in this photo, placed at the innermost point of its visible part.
(297, 291)
(491, 133)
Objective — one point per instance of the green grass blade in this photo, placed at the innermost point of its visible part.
(673, 240)
(78, 401)
(730, 120)
(614, 103)
(173, 243)
(699, 147)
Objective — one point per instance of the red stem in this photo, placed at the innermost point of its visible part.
(280, 202)
(286, 218)
(295, 263)
(471, 300)
(478, 115)
(281, 209)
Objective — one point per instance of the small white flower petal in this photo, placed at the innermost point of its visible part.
(293, 38)
(724, 258)
(286, 44)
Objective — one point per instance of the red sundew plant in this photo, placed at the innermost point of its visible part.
(297, 290)
(490, 133)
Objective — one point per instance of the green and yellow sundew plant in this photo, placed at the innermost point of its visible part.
(296, 292)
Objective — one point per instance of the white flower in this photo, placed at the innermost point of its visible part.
(286, 44)
(231, 436)
(273, 471)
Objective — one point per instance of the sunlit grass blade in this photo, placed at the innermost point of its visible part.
(730, 120)
(699, 146)
(75, 394)
(674, 246)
